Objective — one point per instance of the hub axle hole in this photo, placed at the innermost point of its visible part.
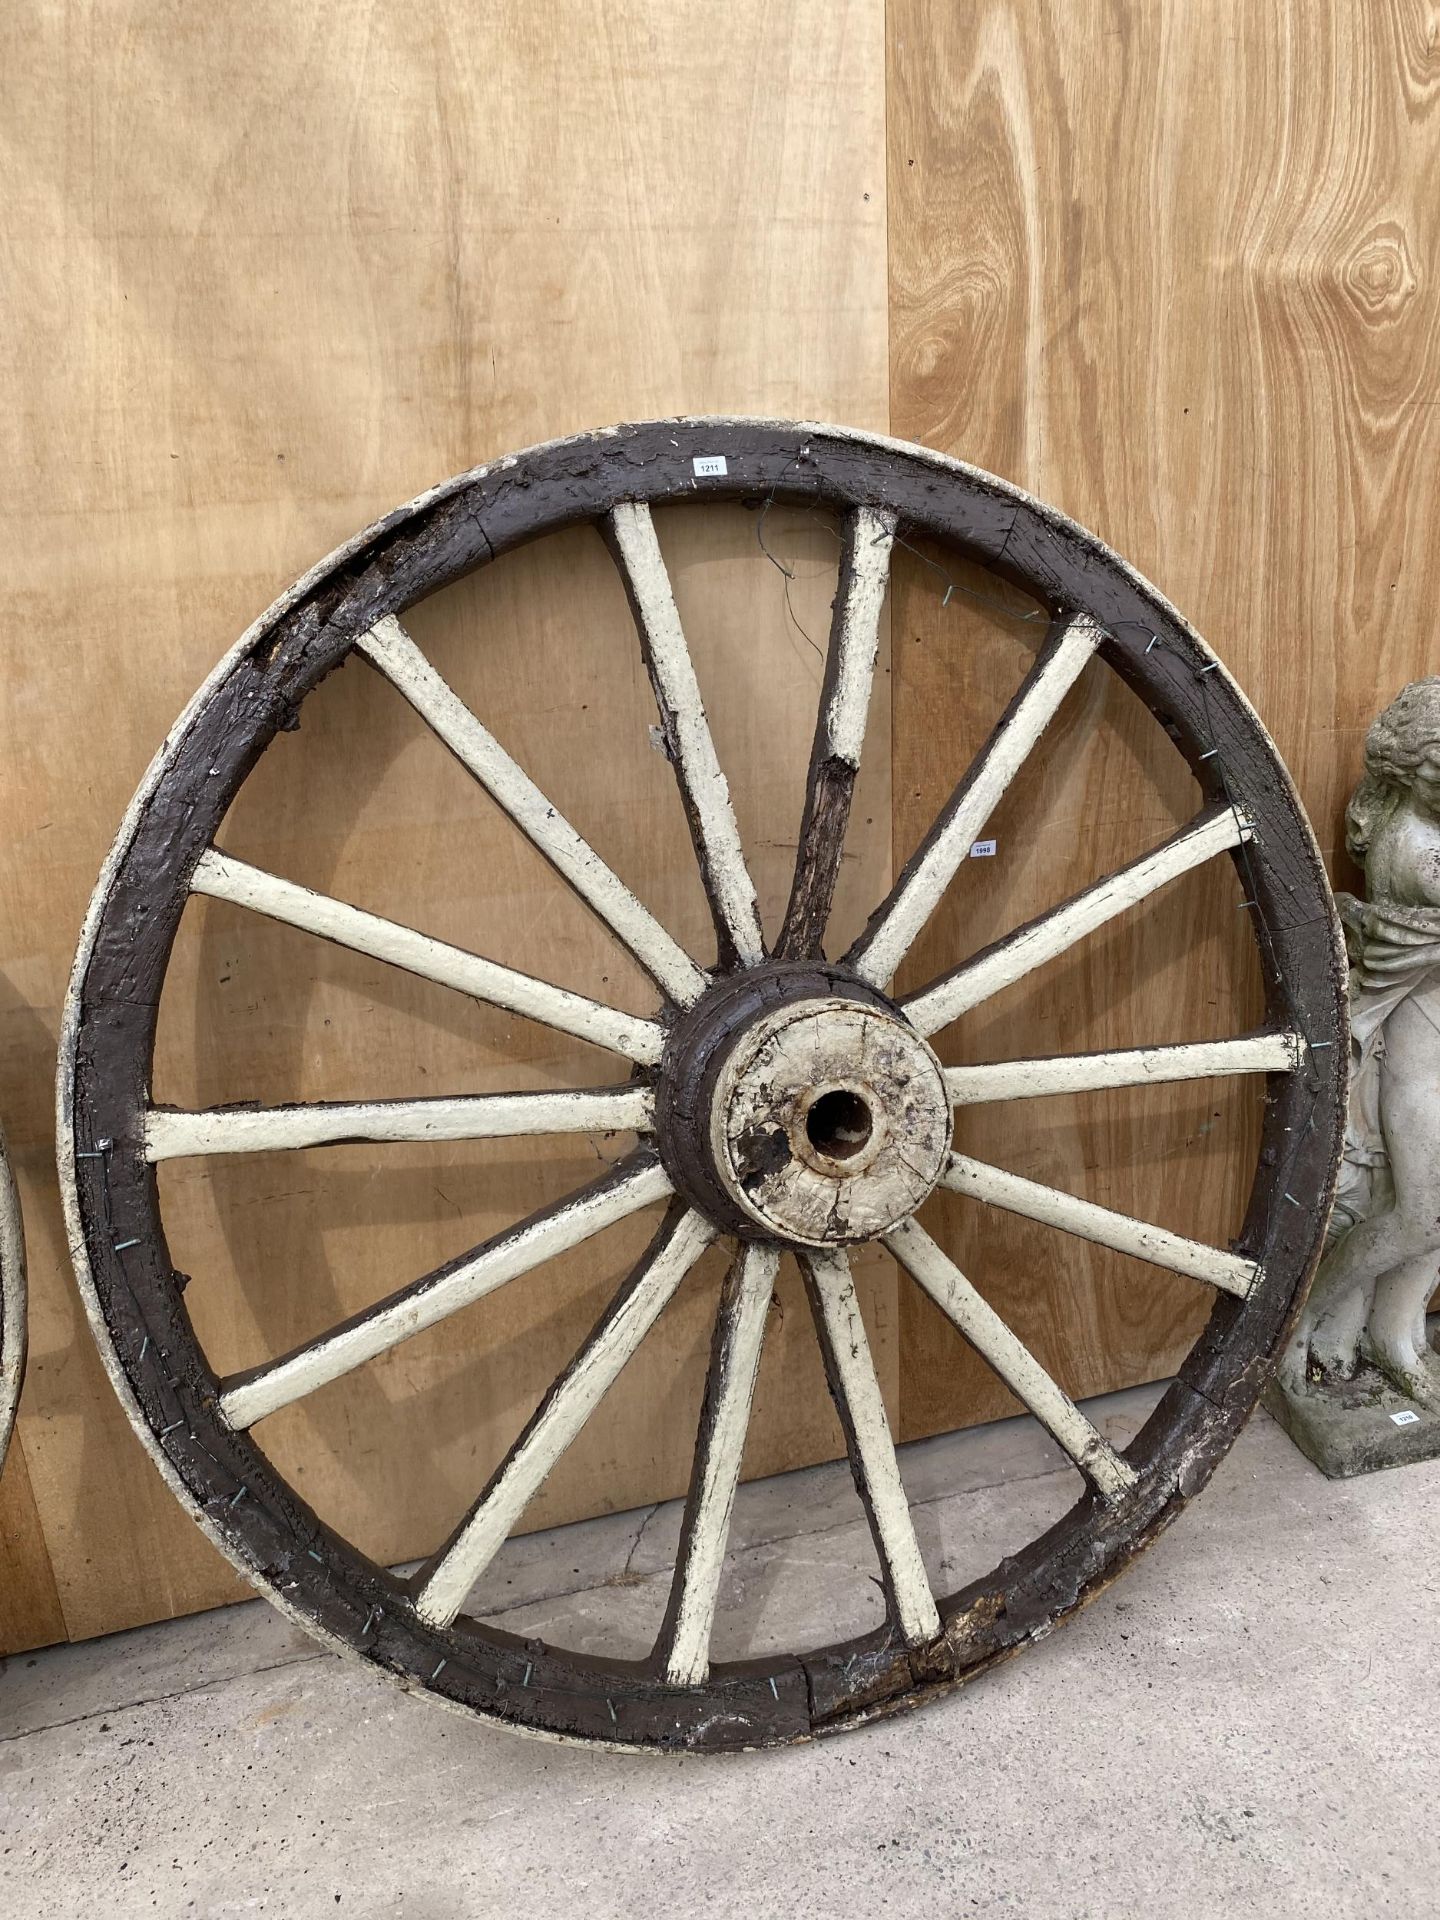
(838, 1124)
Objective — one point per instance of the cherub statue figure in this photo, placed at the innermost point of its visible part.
(1380, 1269)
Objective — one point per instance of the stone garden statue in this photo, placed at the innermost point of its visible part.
(1366, 1313)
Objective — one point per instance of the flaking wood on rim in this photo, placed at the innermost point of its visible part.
(737, 1137)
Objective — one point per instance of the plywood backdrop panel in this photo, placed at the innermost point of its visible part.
(267, 272)
(1174, 268)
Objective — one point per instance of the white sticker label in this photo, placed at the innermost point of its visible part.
(709, 465)
(1406, 1419)
(982, 850)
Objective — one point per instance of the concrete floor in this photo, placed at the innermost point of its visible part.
(1246, 1725)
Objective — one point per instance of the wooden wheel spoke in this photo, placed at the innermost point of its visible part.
(839, 728)
(683, 1648)
(635, 1183)
(1129, 1067)
(894, 927)
(389, 648)
(173, 1134)
(630, 533)
(224, 878)
(443, 1585)
(1008, 1357)
(855, 1389)
(1231, 1272)
(1217, 830)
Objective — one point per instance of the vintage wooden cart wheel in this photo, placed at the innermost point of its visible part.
(12, 1300)
(780, 1097)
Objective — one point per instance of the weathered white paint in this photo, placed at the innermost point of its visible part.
(171, 1135)
(878, 953)
(877, 1472)
(436, 1297)
(769, 1081)
(391, 649)
(857, 637)
(1010, 1358)
(1050, 935)
(1130, 1067)
(717, 1467)
(224, 878)
(566, 1408)
(1229, 1271)
(687, 731)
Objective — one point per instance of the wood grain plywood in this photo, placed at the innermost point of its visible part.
(264, 277)
(1174, 269)
(30, 1613)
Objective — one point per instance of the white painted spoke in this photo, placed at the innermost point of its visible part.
(724, 1421)
(878, 952)
(224, 878)
(1130, 1067)
(389, 647)
(172, 1134)
(855, 638)
(1010, 1359)
(1216, 831)
(856, 1392)
(249, 1397)
(840, 726)
(560, 1416)
(686, 732)
(1231, 1272)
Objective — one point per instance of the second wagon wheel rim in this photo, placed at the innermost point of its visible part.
(12, 1300)
(734, 1136)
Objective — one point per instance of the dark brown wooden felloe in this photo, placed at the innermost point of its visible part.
(224, 1476)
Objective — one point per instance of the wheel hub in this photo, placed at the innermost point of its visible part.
(800, 1105)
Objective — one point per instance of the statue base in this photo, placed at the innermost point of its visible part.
(1349, 1427)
